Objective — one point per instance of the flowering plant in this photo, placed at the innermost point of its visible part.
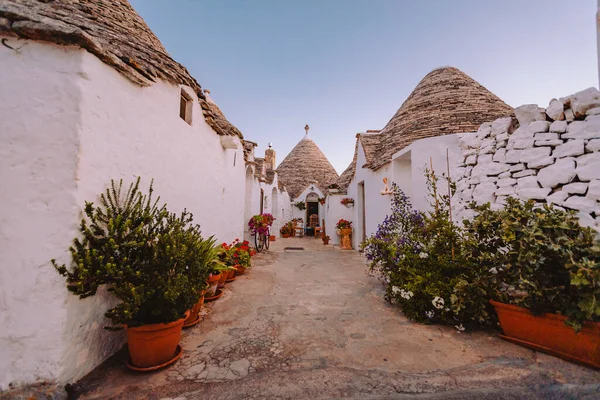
(237, 253)
(260, 223)
(347, 201)
(287, 229)
(343, 224)
(424, 260)
(322, 200)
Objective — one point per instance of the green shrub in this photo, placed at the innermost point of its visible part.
(153, 261)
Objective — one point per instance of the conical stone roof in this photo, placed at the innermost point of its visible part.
(304, 165)
(445, 101)
(112, 31)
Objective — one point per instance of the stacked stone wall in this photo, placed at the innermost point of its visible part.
(549, 155)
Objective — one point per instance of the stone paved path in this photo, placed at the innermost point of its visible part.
(312, 324)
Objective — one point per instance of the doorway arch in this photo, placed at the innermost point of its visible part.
(248, 203)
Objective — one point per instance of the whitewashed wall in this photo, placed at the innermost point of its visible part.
(297, 213)
(334, 212)
(70, 125)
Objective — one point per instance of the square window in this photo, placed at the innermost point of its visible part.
(185, 107)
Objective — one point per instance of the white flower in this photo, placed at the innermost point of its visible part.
(493, 270)
(460, 328)
(423, 255)
(430, 314)
(396, 290)
(438, 302)
(402, 256)
(406, 294)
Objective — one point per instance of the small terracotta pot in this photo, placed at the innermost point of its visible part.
(272, 238)
(231, 275)
(193, 318)
(325, 241)
(285, 235)
(154, 344)
(213, 278)
(548, 333)
(239, 270)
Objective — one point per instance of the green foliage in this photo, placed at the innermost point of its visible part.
(542, 259)
(301, 205)
(153, 261)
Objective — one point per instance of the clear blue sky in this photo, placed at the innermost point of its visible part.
(345, 66)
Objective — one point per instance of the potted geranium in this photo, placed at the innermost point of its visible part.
(326, 239)
(344, 229)
(545, 277)
(141, 251)
(347, 201)
(241, 256)
(287, 230)
(322, 200)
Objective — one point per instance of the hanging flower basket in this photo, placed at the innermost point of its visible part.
(347, 201)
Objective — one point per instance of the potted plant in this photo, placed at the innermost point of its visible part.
(241, 256)
(300, 205)
(344, 228)
(326, 239)
(141, 251)
(322, 200)
(347, 201)
(546, 277)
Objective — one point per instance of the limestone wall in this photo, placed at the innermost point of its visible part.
(550, 155)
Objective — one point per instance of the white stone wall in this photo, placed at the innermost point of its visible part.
(550, 155)
(334, 212)
(70, 124)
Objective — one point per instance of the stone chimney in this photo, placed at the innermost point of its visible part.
(270, 157)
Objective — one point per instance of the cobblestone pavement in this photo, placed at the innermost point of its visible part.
(313, 324)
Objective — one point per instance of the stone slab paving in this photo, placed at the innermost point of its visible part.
(313, 324)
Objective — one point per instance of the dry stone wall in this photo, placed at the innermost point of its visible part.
(549, 155)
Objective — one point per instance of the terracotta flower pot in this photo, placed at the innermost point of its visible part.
(548, 333)
(193, 318)
(285, 235)
(231, 275)
(325, 241)
(155, 344)
(272, 238)
(346, 242)
(222, 280)
(239, 270)
(213, 282)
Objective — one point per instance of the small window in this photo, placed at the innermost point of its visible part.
(185, 107)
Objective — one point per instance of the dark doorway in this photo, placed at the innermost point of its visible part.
(312, 207)
(262, 201)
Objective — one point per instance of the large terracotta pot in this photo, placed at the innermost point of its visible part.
(548, 333)
(155, 344)
(230, 275)
(346, 241)
(213, 282)
(285, 235)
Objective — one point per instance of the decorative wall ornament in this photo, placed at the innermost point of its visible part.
(386, 189)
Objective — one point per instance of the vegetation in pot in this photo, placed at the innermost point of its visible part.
(260, 223)
(154, 262)
(301, 205)
(343, 224)
(326, 239)
(541, 258)
(287, 229)
(347, 201)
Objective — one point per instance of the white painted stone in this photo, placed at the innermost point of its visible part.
(541, 162)
(533, 193)
(592, 118)
(534, 154)
(484, 130)
(523, 144)
(469, 141)
(499, 155)
(506, 174)
(487, 150)
(583, 130)
(513, 156)
(468, 171)
(468, 152)
(546, 136)
(584, 100)
(575, 188)
(471, 160)
(501, 143)
(586, 220)
(555, 110)
(569, 116)
(529, 113)
(506, 182)
(551, 143)
(501, 125)
(501, 137)
(562, 172)
(487, 142)
(524, 173)
(490, 169)
(528, 182)
(594, 190)
(593, 145)
(557, 197)
(484, 159)
(593, 111)
(580, 203)
(588, 167)
(558, 126)
(484, 193)
(517, 167)
(569, 148)
(506, 191)
(538, 126)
